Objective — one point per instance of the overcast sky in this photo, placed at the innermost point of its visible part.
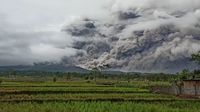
(30, 29)
(45, 13)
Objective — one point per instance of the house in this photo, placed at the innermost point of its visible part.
(186, 87)
(191, 87)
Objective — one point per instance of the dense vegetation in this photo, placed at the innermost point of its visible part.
(88, 76)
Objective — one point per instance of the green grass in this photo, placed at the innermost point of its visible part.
(175, 106)
(72, 89)
(88, 96)
(137, 84)
(84, 96)
(48, 84)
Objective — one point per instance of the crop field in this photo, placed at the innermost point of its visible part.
(90, 96)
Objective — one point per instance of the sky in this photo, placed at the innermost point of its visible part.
(30, 29)
(129, 35)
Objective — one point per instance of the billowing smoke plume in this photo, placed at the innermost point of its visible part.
(139, 35)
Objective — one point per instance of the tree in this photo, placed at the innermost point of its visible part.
(54, 79)
(1, 81)
(13, 72)
(98, 69)
(184, 74)
(68, 77)
(196, 57)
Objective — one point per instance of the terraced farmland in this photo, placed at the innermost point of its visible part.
(83, 96)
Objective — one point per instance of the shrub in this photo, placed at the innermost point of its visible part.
(54, 79)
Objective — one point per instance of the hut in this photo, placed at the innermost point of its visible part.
(191, 87)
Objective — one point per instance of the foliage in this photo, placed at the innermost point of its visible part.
(54, 79)
(183, 75)
(196, 57)
(38, 76)
(105, 106)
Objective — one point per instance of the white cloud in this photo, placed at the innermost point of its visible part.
(30, 30)
(50, 53)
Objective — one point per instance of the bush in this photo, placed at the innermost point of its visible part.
(88, 81)
(54, 79)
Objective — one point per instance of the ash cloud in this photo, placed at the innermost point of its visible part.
(139, 35)
(127, 15)
(132, 35)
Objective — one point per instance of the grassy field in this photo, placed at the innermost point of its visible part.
(90, 96)
(176, 106)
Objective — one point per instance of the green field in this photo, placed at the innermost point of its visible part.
(103, 95)
(103, 106)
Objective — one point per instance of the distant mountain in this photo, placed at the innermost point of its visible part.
(44, 67)
(49, 67)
